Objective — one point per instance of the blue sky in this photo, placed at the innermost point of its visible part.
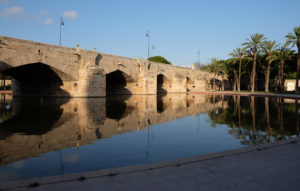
(177, 28)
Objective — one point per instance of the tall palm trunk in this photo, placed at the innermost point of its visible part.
(281, 75)
(268, 75)
(223, 86)
(298, 69)
(214, 81)
(240, 74)
(235, 82)
(253, 70)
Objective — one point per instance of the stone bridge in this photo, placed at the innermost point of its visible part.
(39, 69)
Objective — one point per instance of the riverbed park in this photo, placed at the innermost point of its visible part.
(149, 95)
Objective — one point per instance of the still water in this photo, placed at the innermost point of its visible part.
(54, 136)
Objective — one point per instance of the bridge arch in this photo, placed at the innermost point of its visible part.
(36, 79)
(117, 83)
(61, 65)
(163, 84)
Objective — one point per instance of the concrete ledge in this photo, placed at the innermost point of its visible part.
(292, 96)
(132, 169)
(5, 91)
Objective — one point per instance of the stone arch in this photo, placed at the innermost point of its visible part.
(36, 79)
(117, 83)
(163, 84)
(59, 65)
(190, 84)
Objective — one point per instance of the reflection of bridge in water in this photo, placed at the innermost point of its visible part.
(40, 126)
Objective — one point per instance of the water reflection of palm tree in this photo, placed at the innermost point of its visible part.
(281, 114)
(148, 142)
(252, 108)
(222, 101)
(297, 117)
(239, 109)
(234, 104)
(267, 117)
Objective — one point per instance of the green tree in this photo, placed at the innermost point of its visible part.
(294, 39)
(254, 44)
(232, 73)
(282, 55)
(222, 69)
(213, 68)
(159, 59)
(238, 55)
(269, 47)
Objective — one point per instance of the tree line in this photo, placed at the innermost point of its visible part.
(260, 62)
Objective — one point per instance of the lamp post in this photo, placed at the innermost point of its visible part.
(153, 47)
(148, 37)
(61, 23)
(198, 52)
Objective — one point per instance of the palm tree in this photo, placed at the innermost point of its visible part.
(213, 67)
(254, 44)
(221, 69)
(232, 73)
(269, 47)
(238, 55)
(294, 39)
(283, 54)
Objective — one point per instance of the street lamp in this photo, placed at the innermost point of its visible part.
(148, 37)
(198, 52)
(153, 47)
(61, 23)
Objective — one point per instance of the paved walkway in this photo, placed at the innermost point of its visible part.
(274, 166)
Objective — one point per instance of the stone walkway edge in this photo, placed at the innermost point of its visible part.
(292, 96)
(132, 169)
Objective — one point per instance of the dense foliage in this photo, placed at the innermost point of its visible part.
(159, 59)
(260, 64)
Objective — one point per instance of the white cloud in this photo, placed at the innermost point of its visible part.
(43, 14)
(48, 21)
(17, 12)
(70, 14)
(12, 12)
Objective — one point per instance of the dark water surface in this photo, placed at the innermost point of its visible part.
(53, 136)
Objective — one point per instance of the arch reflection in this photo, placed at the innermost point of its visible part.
(34, 126)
